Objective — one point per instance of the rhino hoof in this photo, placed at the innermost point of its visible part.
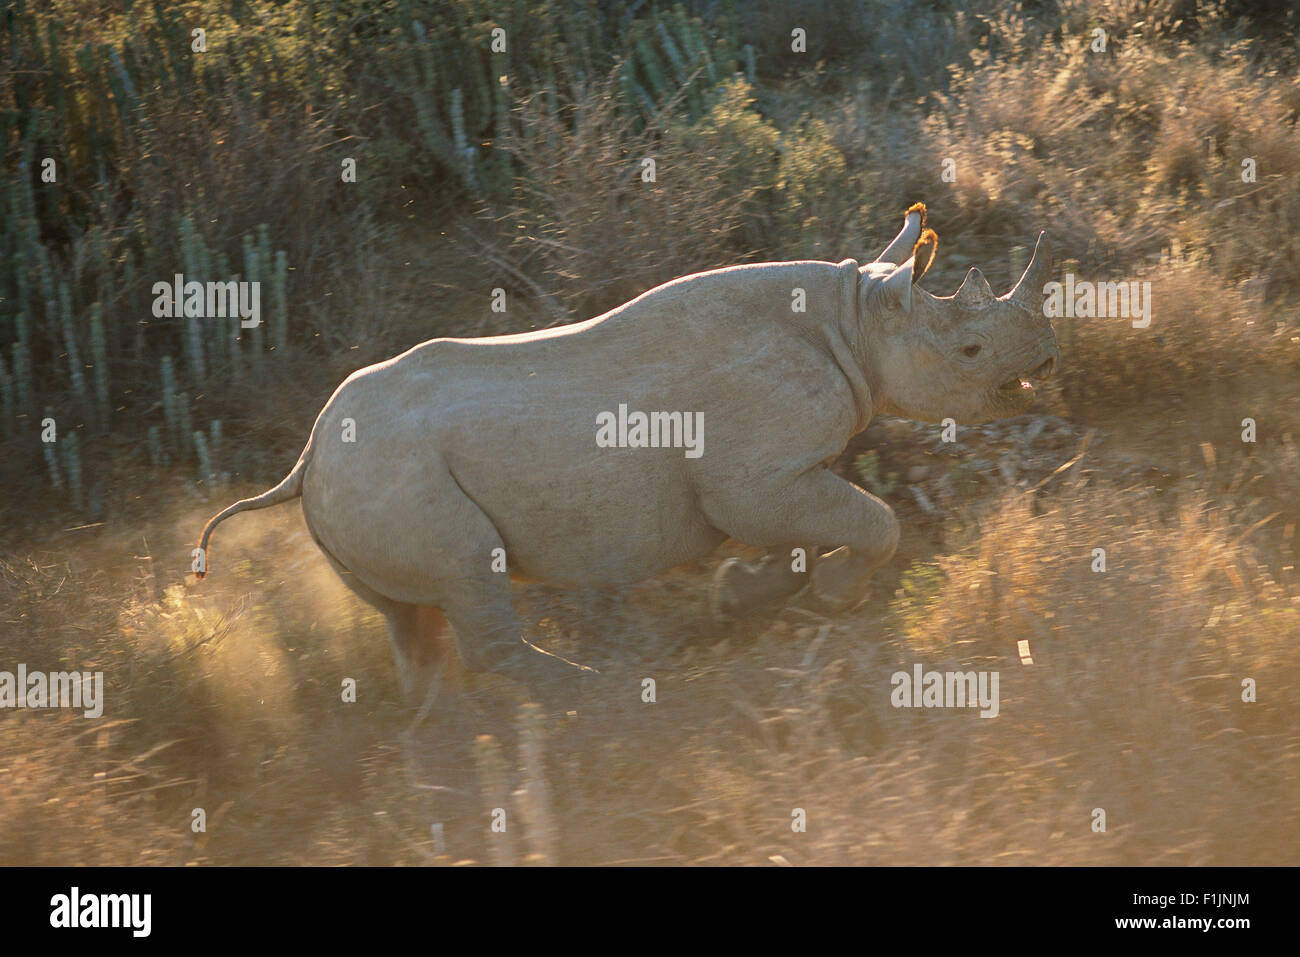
(725, 603)
(835, 590)
(831, 604)
(740, 605)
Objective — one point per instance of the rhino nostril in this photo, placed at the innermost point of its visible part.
(1044, 371)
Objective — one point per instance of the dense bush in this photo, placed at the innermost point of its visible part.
(529, 160)
(248, 184)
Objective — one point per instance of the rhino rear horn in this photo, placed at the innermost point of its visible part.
(1029, 290)
(913, 223)
(974, 289)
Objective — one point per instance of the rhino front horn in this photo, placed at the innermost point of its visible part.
(1029, 290)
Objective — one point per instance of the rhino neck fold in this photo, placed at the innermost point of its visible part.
(849, 345)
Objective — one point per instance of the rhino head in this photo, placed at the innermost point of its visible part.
(971, 356)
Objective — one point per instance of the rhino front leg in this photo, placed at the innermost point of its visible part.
(817, 506)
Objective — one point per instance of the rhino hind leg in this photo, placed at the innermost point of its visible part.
(460, 542)
(482, 616)
(425, 659)
(456, 542)
(422, 651)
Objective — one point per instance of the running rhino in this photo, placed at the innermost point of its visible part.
(602, 452)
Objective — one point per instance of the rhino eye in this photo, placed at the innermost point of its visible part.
(971, 351)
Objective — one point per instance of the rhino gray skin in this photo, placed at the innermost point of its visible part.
(465, 446)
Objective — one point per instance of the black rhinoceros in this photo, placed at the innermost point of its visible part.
(601, 452)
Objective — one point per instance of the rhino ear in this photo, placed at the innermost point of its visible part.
(913, 223)
(896, 288)
(923, 253)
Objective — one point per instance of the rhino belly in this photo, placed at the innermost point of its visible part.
(608, 517)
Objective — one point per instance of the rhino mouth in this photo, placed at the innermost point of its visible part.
(1023, 384)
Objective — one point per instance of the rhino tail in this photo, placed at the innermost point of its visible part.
(289, 488)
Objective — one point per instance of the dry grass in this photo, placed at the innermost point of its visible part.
(1133, 704)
